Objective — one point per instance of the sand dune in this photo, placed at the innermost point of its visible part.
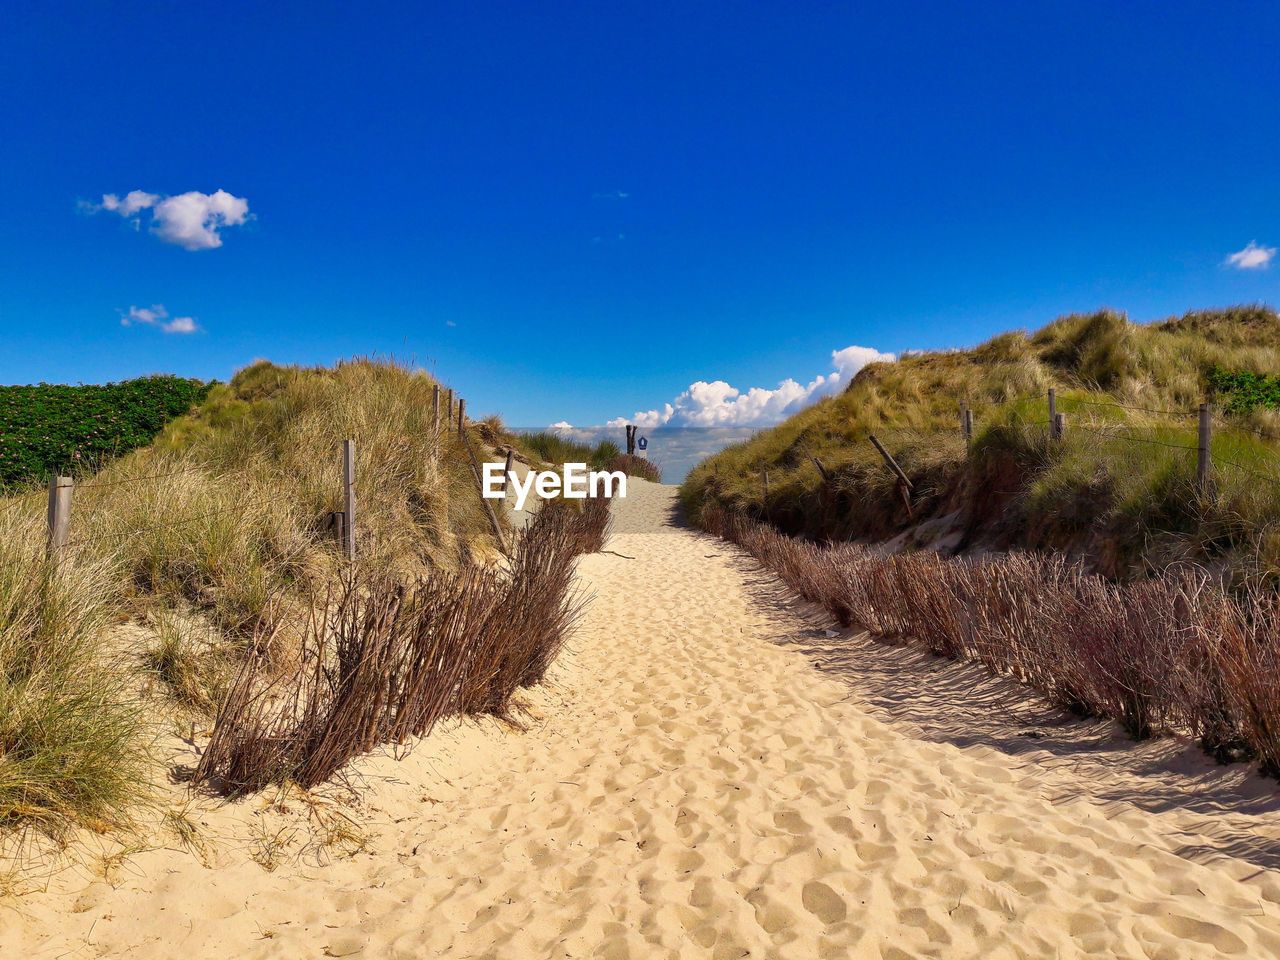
(710, 775)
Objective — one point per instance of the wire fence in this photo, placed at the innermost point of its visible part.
(1205, 415)
(340, 524)
(121, 534)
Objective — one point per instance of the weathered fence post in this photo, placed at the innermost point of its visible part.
(631, 440)
(904, 485)
(449, 411)
(59, 512)
(462, 416)
(1204, 457)
(816, 462)
(1053, 415)
(506, 471)
(435, 406)
(349, 498)
(1059, 425)
(966, 427)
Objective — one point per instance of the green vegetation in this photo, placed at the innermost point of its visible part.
(215, 534)
(1241, 391)
(554, 449)
(1120, 486)
(50, 428)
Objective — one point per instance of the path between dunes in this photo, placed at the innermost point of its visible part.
(690, 784)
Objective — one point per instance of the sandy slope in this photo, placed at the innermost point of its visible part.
(710, 775)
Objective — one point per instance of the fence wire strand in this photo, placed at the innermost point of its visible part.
(1131, 439)
(1128, 406)
(103, 484)
(156, 526)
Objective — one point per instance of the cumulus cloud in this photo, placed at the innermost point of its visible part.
(718, 404)
(157, 316)
(1252, 257)
(189, 220)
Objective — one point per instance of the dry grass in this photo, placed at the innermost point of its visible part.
(223, 519)
(1170, 652)
(382, 661)
(71, 740)
(1131, 504)
(634, 466)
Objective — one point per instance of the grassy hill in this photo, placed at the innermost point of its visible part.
(211, 545)
(1120, 488)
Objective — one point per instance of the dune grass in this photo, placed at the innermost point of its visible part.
(1120, 486)
(216, 535)
(72, 744)
(634, 466)
(552, 448)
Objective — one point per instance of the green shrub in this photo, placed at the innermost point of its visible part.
(1243, 391)
(52, 428)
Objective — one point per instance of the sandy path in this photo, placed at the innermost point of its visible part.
(691, 784)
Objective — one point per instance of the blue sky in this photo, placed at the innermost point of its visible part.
(576, 211)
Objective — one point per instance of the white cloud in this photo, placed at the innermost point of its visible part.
(717, 404)
(157, 316)
(134, 201)
(190, 220)
(1252, 257)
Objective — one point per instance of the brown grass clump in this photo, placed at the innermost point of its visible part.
(1171, 652)
(634, 466)
(382, 661)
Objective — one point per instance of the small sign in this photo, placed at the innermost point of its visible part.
(642, 445)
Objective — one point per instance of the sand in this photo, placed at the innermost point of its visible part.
(709, 774)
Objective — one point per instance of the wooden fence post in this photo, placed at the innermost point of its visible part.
(966, 426)
(893, 464)
(59, 512)
(1053, 415)
(435, 406)
(904, 485)
(449, 411)
(506, 471)
(349, 497)
(1204, 456)
(462, 416)
(816, 462)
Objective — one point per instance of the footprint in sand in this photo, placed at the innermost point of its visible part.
(823, 902)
